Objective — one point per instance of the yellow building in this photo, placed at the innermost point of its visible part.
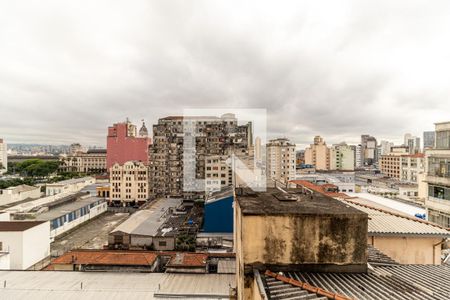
(129, 183)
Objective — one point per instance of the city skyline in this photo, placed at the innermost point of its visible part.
(68, 72)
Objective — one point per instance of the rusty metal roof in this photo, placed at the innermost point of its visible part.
(426, 282)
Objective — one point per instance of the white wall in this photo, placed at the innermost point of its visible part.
(4, 261)
(36, 244)
(28, 247)
(95, 211)
(12, 243)
(4, 216)
(10, 196)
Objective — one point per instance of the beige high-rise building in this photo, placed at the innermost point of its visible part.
(3, 157)
(218, 173)
(342, 157)
(280, 160)
(129, 183)
(318, 154)
(258, 156)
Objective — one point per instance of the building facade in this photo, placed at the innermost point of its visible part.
(3, 157)
(129, 184)
(208, 137)
(124, 144)
(280, 160)
(368, 150)
(19, 193)
(437, 177)
(318, 154)
(91, 162)
(428, 139)
(342, 157)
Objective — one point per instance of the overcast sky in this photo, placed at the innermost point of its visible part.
(68, 69)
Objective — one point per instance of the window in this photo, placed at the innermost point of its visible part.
(162, 243)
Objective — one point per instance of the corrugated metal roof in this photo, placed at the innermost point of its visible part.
(385, 282)
(226, 266)
(47, 285)
(384, 223)
(376, 257)
(147, 221)
(210, 286)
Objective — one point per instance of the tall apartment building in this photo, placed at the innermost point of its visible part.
(428, 139)
(368, 150)
(129, 184)
(212, 137)
(412, 142)
(91, 162)
(437, 179)
(412, 166)
(318, 154)
(357, 151)
(384, 148)
(124, 144)
(403, 166)
(342, 157)
(280, 160)
(3, 157)
(218, 173)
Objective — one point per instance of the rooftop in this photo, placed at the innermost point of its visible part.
(383, 282)
(71, 181)
(105, 257)
(46, 285)
(384, 222)
(188, 260)
(148, 221)
(64, 209)
(322, 189)
(18, 225)
(22, 188)
(271, 203)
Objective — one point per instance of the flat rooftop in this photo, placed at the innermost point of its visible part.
(66, 208)
(269, 203)
(18, 225)
(70, 181)
(148, 221)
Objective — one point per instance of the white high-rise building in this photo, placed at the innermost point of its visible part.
(280, 160)
(3, 157)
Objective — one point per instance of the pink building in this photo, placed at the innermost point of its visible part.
(123, 144)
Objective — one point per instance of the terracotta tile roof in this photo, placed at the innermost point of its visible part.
(103, 257)
(318, 188)
(188, 259)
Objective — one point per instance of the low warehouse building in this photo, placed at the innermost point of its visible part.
(23, 243)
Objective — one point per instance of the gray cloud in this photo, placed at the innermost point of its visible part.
(68, 70)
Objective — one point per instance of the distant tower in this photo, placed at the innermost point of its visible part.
(143, 132)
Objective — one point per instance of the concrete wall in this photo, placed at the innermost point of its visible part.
(170, 243)
(306, 239)
(5, 216)
(36, 244)
(409, 250)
